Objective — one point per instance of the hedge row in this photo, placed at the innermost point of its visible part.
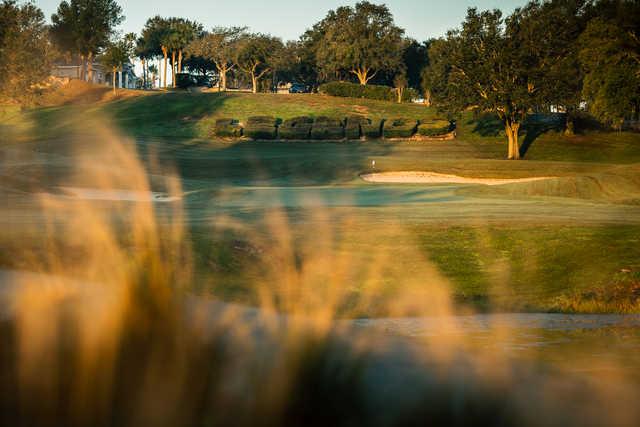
(328, 128)
(354, 90)
(434, 127)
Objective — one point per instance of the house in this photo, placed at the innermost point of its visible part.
(126, 78)
(74, 68)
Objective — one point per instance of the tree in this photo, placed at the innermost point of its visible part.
(415, 58)
(294, 64)
(117, 53)
(154, 35)
(400, 83)
(24, 48)
(361, 41)
(153, 69)
(610, 56)
(488, 65)
(219, 46)
(554, 27)
(255, 54)
(85, 27)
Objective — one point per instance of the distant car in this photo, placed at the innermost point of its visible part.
(299, 88)
(205, 81)
(185, 80)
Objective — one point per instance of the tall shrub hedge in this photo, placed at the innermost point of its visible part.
(354, 90)
(228, 128)
(296, 128)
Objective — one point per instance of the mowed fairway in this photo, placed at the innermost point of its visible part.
(531, 246)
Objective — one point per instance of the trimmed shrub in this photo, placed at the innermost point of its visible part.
(261, 121)
(327, 132)
(260, 132)
(327, 128)
(373, 129)
(434, 127)
(228, 128)
(354, 90)
(327, 121)
(261, 127)
(352, 127)
(399, 128)
(296, 128)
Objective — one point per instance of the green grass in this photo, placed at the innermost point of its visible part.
(185, 115)
(525, 246)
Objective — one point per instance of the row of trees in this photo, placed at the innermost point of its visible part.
(564, 53)
(567, 53)
(361, 41)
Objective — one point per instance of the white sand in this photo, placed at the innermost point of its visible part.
(413, 177)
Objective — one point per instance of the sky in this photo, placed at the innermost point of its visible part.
(288, 19)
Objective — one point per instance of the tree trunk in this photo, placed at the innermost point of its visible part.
(90, 67)
(511, 130)
(254, 82)
(173, 68)
(81, 69)
(362, 74)
(113, 78)
(144, 74)
(164, 53)
(569, 127)
(223, 79)
(400, 92)
(180, 61)
(427, 98)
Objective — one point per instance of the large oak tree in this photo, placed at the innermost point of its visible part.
(362, 41)
(489, 66)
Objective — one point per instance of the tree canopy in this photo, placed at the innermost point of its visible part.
(362, 41)
(85, 27)
(255, 55)
(218, 46)
(24, 48)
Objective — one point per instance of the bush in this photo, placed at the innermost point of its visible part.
(373, 129)
(434, 127)
(296, 128)
(261, 127)
(354, 90)
(327, 132)
(261, 121)
(327, 121)
(410, 94)
(399, 128)
(352, 127)
(260, 132)
(228, 128)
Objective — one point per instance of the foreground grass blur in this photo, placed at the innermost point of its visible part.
(104, 330)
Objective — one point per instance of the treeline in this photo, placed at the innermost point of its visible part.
(573, 55)
(570, 54)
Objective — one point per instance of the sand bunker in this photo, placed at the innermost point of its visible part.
(117, 195)
(412, 177)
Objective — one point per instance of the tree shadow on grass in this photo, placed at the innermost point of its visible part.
(539, 124)
(533, 127)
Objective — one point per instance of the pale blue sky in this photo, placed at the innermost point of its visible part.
(288, 19)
